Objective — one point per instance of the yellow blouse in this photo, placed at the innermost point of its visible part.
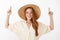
(25, 33)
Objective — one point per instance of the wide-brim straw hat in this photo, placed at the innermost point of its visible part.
(22, 9)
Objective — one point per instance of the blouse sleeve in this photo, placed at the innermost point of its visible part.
(43, 28)
(13, 27)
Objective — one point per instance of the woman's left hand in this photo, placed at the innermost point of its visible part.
(50, 12)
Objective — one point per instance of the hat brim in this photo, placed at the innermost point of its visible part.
(35, 7)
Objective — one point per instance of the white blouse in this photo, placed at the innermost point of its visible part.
(25, 33)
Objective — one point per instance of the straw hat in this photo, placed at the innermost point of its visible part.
(35, 7)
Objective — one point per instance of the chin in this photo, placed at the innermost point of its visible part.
(29, 18)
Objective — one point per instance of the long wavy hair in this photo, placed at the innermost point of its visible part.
(33, 20)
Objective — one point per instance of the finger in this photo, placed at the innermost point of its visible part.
(49, 9)
(10, 7)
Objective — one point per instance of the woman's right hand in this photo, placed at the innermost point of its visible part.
(9, 11)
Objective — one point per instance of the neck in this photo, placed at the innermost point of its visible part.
(28, 21)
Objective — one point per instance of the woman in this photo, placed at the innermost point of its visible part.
(30, 28)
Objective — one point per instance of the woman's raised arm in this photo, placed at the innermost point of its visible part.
(7, 17)
(51, 19)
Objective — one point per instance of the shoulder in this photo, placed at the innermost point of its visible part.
(17, 23)
(40, 23)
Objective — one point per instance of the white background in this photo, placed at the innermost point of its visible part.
(5, 34)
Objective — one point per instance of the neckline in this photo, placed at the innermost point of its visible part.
(27, 26)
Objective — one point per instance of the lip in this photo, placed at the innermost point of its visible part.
(28, 17)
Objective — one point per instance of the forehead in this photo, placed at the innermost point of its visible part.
(29, 9)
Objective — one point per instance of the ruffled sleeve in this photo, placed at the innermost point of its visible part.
(13, 27)
(42, 29)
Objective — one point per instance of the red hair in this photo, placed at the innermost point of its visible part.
(33, 20)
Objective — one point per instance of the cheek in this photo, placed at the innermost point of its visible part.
(26, 15)
(31, 15)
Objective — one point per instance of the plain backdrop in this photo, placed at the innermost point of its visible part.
(54, 5)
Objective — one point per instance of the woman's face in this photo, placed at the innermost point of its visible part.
(29, 13)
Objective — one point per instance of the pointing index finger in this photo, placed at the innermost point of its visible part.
(10, 7)
(48, 9)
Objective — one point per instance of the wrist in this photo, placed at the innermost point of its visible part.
(8, 15)
(51, 16)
